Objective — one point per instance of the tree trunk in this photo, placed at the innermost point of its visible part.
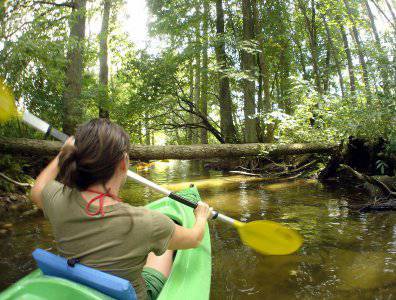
(248, 84)
(360, 49)
(144, 152)
(147, 130)
(226, 122)
(2, 22)
(260, 104)
(326, 73)
(391, 11)
(72, 108)
(310, 25)
(103, 65)
(178, 139)
(264, 100)
(379, 8)
(139, 132)
(284, 78)
(257, 33)
(394, 28)
(372, 23)
(191, 93)
(302, 58)
(382, 57)
(204, 95)
(351, 71)
(335, 55)
(197, 84)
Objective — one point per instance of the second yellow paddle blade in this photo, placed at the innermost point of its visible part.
(7, 104)
(269, 238)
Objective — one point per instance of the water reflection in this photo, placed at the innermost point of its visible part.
(345, 255)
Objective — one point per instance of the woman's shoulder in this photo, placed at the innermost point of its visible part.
(144, 213)
(136, 211)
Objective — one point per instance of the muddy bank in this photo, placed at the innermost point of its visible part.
(366, 166)
(16, 178)
(15, 205)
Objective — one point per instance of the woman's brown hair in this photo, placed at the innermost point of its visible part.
(99, 146)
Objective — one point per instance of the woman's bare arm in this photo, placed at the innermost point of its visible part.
(186, 238)
(49, 173)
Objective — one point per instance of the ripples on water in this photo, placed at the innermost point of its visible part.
(345, 255)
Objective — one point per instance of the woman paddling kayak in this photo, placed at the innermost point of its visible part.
(89, 221)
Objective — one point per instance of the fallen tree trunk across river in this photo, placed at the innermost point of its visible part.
(143, 152)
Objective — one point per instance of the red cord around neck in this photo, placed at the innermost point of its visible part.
(100, 197)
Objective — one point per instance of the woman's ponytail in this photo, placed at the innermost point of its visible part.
(68, 165)
(99, 146)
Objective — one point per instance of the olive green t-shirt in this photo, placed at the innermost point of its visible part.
(117, 243)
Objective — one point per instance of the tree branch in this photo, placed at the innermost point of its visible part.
(64, 4)
(383, 13)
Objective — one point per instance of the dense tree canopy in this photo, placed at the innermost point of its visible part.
(227, 71)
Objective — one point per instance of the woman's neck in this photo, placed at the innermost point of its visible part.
(112, 187)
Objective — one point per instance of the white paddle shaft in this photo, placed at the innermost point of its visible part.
(166, 192)
(35, 122)
(148, 183)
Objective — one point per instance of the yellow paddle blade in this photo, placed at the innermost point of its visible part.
(7, 104)
(269, 238)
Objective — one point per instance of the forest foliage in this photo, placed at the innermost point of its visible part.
(225, 71)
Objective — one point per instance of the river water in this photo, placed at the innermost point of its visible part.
(345, 254)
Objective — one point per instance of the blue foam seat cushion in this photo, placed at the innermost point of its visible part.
(113, 286)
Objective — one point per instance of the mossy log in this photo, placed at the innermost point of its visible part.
(143, 152)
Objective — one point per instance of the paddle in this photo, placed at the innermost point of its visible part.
(265, 237)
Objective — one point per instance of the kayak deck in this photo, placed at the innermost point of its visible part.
(189, 279)
(192, 268)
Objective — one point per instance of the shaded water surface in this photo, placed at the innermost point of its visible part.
(345, 254)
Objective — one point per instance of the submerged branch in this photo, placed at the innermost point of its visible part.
(5, 177)
(369, 179)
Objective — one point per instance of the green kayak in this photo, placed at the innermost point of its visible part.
(190, 277)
